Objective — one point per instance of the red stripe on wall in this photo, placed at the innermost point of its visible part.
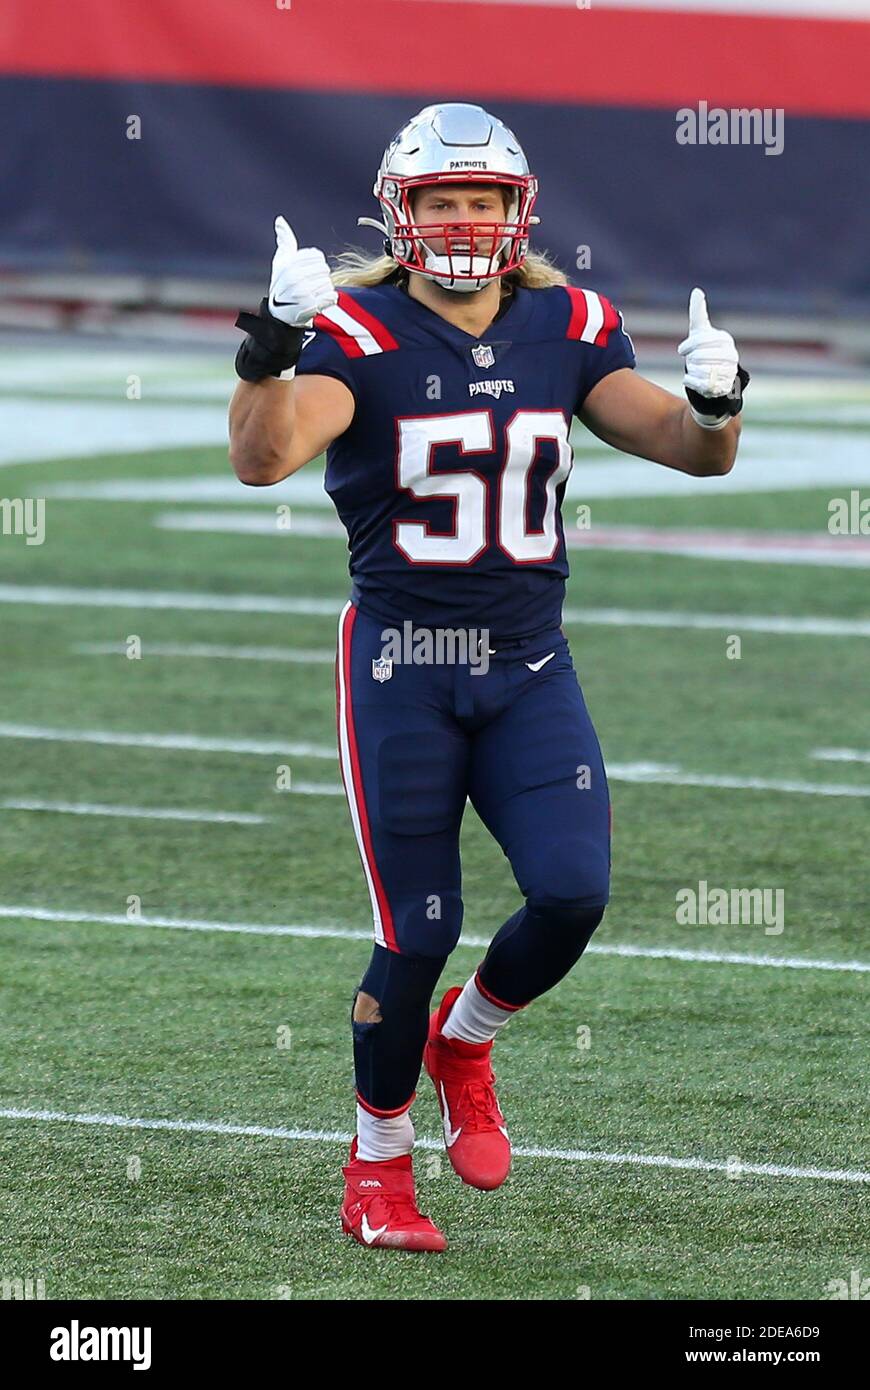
(529, 52)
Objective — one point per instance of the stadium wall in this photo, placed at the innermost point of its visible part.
(248, 109)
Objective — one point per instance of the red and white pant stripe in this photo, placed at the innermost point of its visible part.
(351, 773)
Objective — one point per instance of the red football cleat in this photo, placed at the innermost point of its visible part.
(380, 1208)
(474, 1129)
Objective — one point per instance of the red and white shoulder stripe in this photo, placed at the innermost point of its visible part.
(593, 317)
(357, 332)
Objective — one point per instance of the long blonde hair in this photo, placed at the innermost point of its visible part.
(357, 267)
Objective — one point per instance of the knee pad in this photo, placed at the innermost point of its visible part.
(573, 877)
(388, 1055)
(428, 924)
(570, 922)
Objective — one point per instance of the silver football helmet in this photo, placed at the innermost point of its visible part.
(450, 144)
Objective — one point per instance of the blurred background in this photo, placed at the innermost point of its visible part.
(180, 881)
(147, 148)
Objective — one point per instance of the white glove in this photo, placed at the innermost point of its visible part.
(301, 285)
(711, 357)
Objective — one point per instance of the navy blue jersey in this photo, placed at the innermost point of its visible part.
(450, 478)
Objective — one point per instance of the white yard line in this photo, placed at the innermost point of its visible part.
(78, 808)
(662, 776)
(655, 774)
(177, 742)
(728, 958)
(326, 1136)
(302, 656)
(841, 755)
(302, 489)
(765, 547)
(63, 596)
(41, 431)
(262, 522)
(640, 773)
(788, 626)
(119, 919)
(770, 460)
(329, 930)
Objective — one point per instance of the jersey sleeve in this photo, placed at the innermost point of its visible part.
(345, 335)
(323, 355)
(596, 325)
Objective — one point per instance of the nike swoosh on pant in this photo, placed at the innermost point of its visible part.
(536, 665)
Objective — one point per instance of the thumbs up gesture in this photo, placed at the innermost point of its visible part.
(710, 353)
(301, 285)
(714, 379)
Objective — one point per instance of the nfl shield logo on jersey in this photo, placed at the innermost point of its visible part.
(382, 668)
(483, 355)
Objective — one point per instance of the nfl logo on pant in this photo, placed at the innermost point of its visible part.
(483, 355)
(382, 668)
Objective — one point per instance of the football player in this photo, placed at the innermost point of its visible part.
(441, 378)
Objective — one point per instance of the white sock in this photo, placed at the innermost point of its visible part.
(382, 1137)
(473, 1017)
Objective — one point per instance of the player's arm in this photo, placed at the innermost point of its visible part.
(638, 417)
(698, 436)
(279, 421)
(277, 426)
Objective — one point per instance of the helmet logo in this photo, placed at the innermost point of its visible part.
(468, 164)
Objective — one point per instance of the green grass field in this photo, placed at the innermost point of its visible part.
(706, 1061)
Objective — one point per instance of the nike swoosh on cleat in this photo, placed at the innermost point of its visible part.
(536, 665)
(368, 1235)
(450, 1135)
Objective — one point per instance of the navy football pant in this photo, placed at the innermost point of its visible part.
(519, 744)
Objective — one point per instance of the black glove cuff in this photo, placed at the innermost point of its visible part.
(270, 347)
(714, 407)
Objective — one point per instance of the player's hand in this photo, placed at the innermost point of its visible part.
(714, 379)
(710, 353)
(301, 285)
